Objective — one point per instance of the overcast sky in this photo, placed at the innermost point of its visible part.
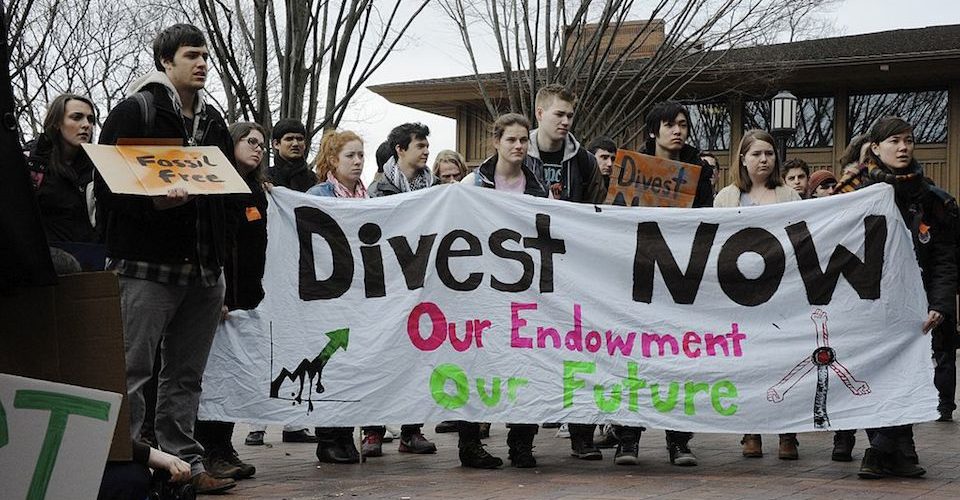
(434, 50)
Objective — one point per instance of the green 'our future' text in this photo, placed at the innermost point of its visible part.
(610, 400)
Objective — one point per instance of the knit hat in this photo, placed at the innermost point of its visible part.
(817, 178)
(286, 126)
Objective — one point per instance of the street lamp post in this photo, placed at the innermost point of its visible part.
(783, 121)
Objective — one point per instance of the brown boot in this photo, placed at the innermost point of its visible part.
(205, 484)
(752, 446)
(788, 447)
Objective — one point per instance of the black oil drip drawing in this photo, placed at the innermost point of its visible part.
(824, 359)
(309, 373)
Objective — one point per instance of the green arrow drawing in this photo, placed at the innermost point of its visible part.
(308, 369)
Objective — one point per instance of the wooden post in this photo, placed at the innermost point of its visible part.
(841, 105)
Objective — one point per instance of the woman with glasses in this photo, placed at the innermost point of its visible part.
(243, 271)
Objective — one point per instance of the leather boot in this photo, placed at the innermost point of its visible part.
(752, 446)
(332, 448)
(520, 448)
(788, 447)
(843, 443)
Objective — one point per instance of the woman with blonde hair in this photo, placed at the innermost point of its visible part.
(757, 181)
(756, 178)
(449, 167)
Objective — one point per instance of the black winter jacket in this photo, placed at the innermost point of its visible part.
(930, 215)
(691, 155)
(134, 229)
(61, 193)
(532, 171)
(580, 178)
(294, 175)
(247, 249)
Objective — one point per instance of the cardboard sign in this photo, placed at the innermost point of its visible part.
(71, 333)
(648, 181)
(53, 438)
(748, 319)
(152, 170)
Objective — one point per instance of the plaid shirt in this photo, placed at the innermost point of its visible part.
(205, 271)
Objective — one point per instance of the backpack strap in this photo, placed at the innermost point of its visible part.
(144, 98)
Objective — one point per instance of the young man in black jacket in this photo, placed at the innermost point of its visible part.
(667, 127)
(169, 250)
(290, 168)
(570, 172)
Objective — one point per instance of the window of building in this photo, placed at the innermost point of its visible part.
(814, 121)
(926, 111)
(710, 126)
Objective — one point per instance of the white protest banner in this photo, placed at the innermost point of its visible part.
(464, 303)
(54, 438)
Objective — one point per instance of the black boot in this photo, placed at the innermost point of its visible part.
(843, 443)
(335, 448)
(520, 444)
(581, 443)
(473, 455)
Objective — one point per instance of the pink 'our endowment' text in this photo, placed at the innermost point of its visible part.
(691, 344)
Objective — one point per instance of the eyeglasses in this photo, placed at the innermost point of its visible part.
(254, 143)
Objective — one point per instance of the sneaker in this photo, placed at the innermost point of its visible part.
(254, 438)
(205, 484)
(217, 466)
(473, 455)
(843, 443)
(681, 455)
(607, 439)
(627, 453)
(788, 447)
(563, 432)
(301, 436)
(446, 426)
(244, 470)
(416, 443)
(870, 466)
(752, 446)
(390, 434)
(372, 445)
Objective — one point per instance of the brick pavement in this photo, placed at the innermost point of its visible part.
(291, 471)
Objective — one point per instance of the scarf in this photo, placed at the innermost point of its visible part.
(907, 183)
(422, 179)
(343, 192)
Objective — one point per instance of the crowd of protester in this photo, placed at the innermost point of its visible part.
(185, 262)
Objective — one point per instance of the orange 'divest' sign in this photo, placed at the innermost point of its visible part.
(152, 170)
(648, 181)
